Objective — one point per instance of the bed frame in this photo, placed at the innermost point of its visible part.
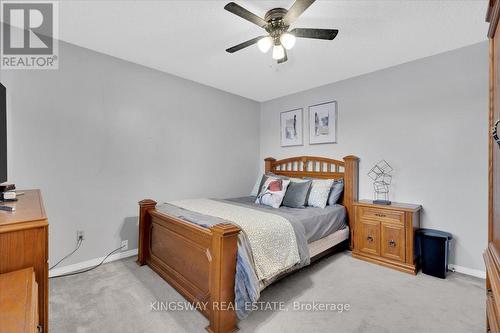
(200, 263)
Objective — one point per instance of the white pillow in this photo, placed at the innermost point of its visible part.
(272, 197)
(256, 187)
(299, 180)
(319, 193)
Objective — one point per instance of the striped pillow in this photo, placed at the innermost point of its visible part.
(319, 193)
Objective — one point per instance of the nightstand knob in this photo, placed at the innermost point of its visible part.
(392, 243)
(369, 238)
(380, 215)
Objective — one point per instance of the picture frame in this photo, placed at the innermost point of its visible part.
(323, 123)
(291, 128)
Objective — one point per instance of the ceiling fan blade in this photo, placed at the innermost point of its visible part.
(243, 45)
(296, 10)
(284, 59)
(243, 13)
(328, 34)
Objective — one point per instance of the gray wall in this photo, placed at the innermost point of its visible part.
(99, 134)
(428, 119)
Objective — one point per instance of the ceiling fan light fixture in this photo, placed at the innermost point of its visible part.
(265, 44)
(278, 52)
(276, 23)
(287, 40)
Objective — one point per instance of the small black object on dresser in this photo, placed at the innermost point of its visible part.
(7, 192)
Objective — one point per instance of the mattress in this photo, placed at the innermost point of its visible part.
(323, 244)
(318, 222)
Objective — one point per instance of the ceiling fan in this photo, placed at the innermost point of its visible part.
(276, 22)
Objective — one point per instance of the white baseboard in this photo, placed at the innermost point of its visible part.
(468, 271)
(90, 263)
(122, 255)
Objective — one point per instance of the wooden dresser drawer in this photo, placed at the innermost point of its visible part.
(381, 215)
(35, 305)
(18, 302)
(492, 314)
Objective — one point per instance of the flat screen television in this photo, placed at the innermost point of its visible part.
(3, 134)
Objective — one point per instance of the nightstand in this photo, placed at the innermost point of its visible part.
(385, 234)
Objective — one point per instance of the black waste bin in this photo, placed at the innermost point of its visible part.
(434, 250)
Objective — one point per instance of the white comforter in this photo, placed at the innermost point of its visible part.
(271, 237)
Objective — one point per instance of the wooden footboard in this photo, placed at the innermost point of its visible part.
(200, 263)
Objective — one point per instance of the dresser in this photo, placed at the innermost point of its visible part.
(19, 302)
(24, 244)
(385, 234)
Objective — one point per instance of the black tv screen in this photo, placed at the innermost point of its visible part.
(3, 134)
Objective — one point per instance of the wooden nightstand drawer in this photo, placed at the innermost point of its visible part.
(382, 215)
(393, 241)
(369, 236)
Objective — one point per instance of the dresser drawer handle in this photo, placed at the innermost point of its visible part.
(392, 243)
(379, 215)
(369, 238)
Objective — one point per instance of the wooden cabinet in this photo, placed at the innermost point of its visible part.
(385, 234)
(19, 302)
(24, 244)
(492, 253)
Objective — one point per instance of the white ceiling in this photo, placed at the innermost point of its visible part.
(188, 38)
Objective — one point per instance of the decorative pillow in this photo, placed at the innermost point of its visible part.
(258, 185)
(320, 190)
(273, 192)
(266, 177)
(270, 174)
(337, 189)
(296, 193)
(277, 176)
(299, 180)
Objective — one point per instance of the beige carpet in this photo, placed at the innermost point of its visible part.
(118, 296)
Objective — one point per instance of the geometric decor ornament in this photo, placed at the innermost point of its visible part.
(382, 178)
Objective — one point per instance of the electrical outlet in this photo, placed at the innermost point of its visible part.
(125, 245)
(80, 235)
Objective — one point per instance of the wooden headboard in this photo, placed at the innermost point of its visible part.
(326, 168)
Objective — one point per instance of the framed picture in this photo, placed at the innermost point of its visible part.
(323, 123)
(291, 128)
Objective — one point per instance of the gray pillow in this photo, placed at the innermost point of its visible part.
(337, 189)
(296, 194)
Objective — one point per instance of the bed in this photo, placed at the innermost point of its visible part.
(199, 259)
